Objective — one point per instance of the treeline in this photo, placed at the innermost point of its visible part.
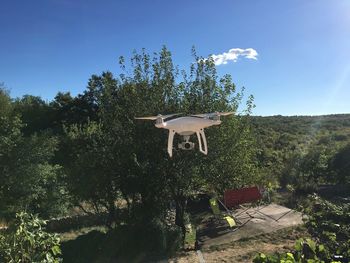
(88, 151)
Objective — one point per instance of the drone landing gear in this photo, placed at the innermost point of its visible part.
(170, 142)
(202, 141)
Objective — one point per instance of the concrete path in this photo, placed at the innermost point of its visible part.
(276, 217)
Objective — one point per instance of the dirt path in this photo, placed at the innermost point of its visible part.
(245, 250)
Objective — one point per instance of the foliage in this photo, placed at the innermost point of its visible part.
(110, 157)
(340, 165)
(34, 112)
(306, 251)
(310, 169)
(25, 240)
(329, 223)
(28, 179)
(300, 150)
(93, 173)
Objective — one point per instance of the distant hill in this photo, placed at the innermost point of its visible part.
(279, 136)
(290, 147)
(303, 124)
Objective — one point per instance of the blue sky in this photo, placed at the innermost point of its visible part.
(302, 67)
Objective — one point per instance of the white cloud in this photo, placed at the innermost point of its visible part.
(233, 54)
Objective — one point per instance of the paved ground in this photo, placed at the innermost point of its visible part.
(274, 217)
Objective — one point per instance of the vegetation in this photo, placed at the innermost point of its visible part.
(29, 180)
(25, 240)
(329, 223)
(303, 151)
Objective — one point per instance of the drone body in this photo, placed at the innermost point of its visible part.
(186, 126)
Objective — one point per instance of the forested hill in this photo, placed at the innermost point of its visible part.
(304, 150)
(303, 124)
(289, 132)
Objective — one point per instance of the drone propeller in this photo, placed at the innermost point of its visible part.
(213, 114)
(156, 117)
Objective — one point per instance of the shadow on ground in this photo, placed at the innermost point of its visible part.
(124, 244)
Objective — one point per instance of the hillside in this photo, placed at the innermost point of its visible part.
(303, 124)
(302, 146)
(282, 131)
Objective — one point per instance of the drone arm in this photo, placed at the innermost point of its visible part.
(170, 142)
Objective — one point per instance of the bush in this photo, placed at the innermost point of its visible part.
(329, 223)
(25, 240)
(306, 250)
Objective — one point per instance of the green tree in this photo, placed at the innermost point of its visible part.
(68, 110)
(340, 165)
(232, 149)
(98, 150)
(28, 178)
(118, 156)
(35, 114)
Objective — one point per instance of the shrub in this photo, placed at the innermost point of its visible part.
(25, 240)
(306, 250)
(329, 223)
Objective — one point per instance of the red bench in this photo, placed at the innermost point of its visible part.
(233, 198)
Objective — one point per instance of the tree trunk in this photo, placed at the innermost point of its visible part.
(180, 203)
(126, 198)
(111, 214)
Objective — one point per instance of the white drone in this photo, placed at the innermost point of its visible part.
(186, 126)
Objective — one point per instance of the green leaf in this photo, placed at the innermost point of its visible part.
(290, 256)
(321, 248)
(311, 244)
(56, 250)
(299, 244)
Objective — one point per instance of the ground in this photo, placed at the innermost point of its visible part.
(242, 250)
(245, 250)
(259, 232)
(253, 221)
(216, 241)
